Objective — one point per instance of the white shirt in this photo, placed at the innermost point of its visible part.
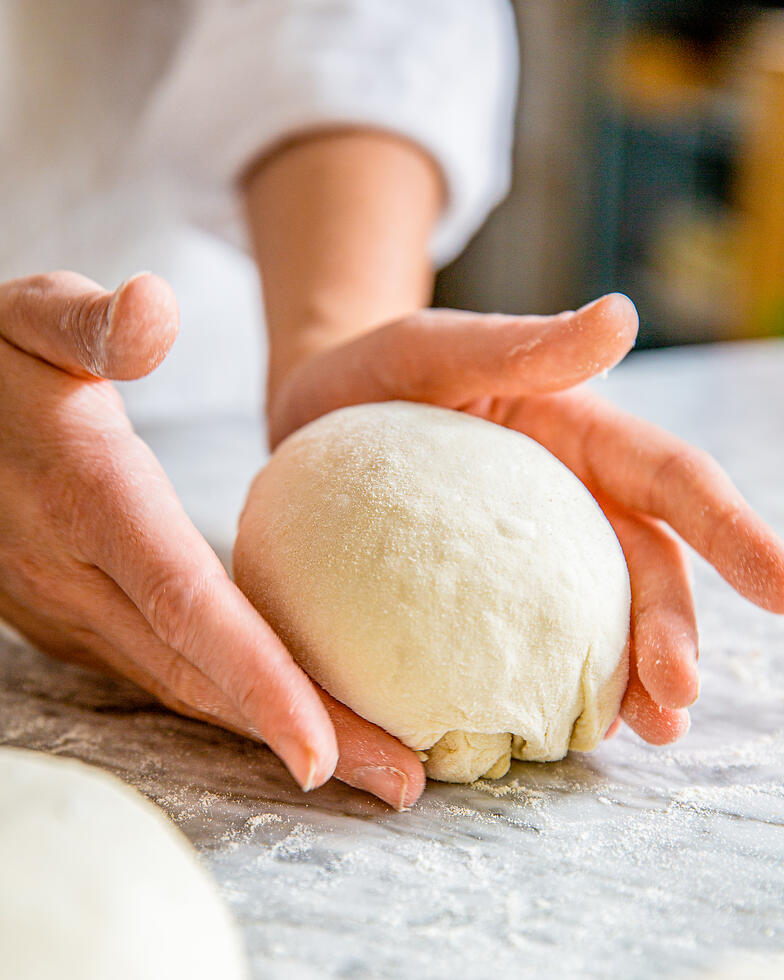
(125, 126)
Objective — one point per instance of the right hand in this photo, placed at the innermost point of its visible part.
(99, 564)
(527, 373)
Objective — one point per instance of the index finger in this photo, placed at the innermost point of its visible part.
(134, 529)
(647, 469)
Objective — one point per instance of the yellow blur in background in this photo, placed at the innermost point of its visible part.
(649, 159)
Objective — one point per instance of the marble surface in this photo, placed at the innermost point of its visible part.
(630, 862)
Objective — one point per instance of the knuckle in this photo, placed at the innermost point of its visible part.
(682, 467)
(85, 322)
(30, 293)
(32, 289)
(175, 604)
(687, 462)
(252, 698)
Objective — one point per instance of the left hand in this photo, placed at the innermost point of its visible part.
(526, 373)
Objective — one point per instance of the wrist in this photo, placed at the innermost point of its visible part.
(341, 223)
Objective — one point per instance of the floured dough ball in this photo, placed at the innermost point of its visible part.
(447, 578)
(95, 882)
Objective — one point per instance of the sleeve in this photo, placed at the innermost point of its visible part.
(249, 74)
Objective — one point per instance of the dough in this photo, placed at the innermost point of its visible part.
(97, 883)
(744, 966)
(447, 578)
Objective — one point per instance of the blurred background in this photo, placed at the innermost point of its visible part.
(649, 159)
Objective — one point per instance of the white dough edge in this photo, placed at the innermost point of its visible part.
(96, 882)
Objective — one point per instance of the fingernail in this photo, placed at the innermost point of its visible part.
(586, 306)
(386, 782)
(135, 275)
(120, 288)
(100, 364)
(300, 760)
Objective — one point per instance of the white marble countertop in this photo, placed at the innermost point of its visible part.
(630, 862)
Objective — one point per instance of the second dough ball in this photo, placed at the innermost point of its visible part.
(447, 578)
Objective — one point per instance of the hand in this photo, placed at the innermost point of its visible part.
(99, 564)
(525, 373)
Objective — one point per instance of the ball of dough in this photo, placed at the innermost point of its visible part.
(447, 578)
(96, 882)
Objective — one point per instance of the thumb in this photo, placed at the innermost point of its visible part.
(74, 324)
(452, 357)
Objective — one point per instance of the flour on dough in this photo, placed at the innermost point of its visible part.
(447, 578)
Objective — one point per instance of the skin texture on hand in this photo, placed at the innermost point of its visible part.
(526, 373)
(98, 562)
(341, 222)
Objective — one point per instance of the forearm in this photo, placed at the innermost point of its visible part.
(340, 223)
